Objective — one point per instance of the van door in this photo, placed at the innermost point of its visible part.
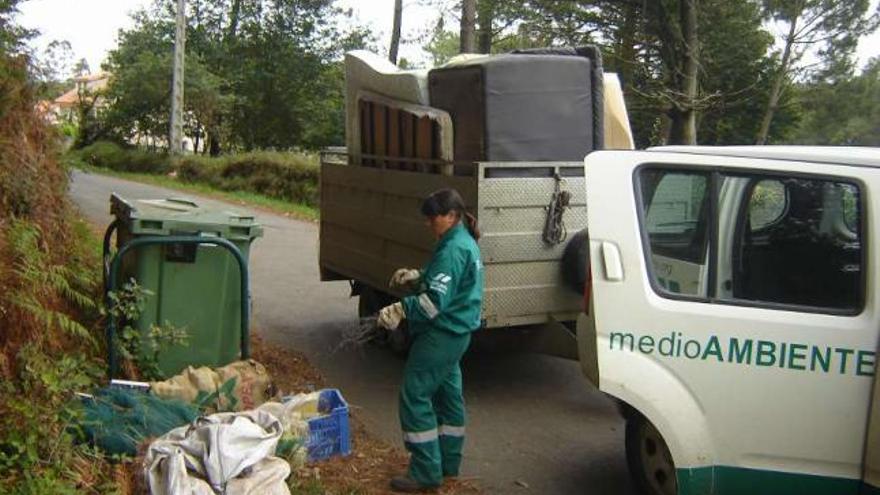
(733, 309)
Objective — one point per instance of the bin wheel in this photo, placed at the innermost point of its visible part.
(650, 462)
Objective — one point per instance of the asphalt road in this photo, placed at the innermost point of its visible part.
(535, 424)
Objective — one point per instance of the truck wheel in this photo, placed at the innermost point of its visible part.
(576, 262)
(650, 463)
(399, 340)
(369, 303)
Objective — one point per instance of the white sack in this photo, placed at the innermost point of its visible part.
(229, 453)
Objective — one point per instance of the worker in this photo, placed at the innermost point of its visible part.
(442, 311)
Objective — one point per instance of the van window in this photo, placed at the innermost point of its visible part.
(676, 208)
(804, 249)
(785, 240)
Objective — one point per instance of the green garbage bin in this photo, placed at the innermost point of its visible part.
(195, 286)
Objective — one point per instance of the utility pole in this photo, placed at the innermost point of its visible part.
(175, 138)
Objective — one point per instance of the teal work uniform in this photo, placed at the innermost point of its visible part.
(441, 317)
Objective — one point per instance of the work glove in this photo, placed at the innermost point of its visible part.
(405, 278)
(391, 316)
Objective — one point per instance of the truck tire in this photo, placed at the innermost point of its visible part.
(650, 462)
(399, 340)
(370, 301)
(576, 262)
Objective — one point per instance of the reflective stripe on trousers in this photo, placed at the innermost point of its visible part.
(421, 436)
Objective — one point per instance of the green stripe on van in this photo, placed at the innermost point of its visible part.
(725, 480)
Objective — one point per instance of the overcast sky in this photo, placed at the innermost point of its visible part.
(91, 25)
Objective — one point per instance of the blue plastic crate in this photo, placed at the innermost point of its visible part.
(329, 434)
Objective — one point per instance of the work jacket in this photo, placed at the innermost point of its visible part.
(451, 289)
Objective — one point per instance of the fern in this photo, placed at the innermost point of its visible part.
(41, 283)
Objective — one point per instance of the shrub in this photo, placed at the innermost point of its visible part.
(288, 176)
(282, 175)
(105, 154)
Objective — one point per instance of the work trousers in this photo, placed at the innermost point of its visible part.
(432, 413)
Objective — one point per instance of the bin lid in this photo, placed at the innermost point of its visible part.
(178, 215)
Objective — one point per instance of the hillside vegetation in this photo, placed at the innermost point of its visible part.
(50, 345)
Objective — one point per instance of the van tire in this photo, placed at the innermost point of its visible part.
(576, 262)
(650, 462)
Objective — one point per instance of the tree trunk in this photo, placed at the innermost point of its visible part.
(485, 18)
(234, 16)
(468, 32)
(395, 32)
(776, 90)
(683, 129)
(625, 49)
(197, 134)
(213, 143)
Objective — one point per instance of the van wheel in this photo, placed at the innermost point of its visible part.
(650, 463)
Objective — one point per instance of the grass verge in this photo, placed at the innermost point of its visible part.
(243, 198)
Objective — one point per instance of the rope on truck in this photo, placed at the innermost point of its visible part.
(554, 227)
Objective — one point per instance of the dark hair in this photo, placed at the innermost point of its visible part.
(443, 202)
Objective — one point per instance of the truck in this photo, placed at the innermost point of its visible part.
(734, 313)
(509, 133)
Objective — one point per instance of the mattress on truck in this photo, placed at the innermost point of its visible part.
(366, 72)
(521, 107)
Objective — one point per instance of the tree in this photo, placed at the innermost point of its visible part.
(841, 110)
(830, 26)
(81, 68)
(56, 61)
(265, 73)
(12, 36)
(675, 25)
(468, 34)
(395, 31)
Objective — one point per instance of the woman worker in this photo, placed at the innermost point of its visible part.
(442, 311)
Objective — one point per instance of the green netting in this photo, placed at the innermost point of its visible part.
(117, 420)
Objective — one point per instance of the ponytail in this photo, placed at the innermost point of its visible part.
(443, 202)
(470, 222)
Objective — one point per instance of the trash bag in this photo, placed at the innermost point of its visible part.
(230, 453)
(118, 420)
(238, 386)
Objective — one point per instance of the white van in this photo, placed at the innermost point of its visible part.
(734, 312)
